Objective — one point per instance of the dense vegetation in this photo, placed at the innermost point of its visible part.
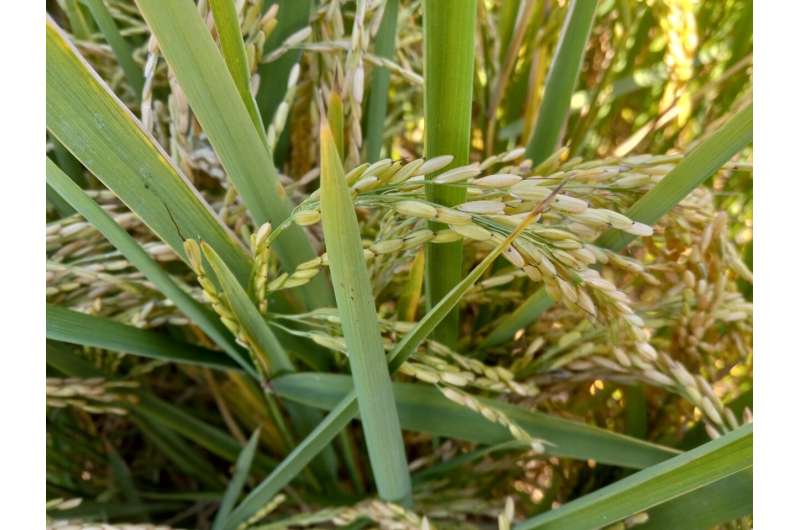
(351, 264)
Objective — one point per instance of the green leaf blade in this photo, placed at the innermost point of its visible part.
(356, 306)
(204, 77)
(74, 327)
(561, 80)
(235, 486)
(231, 42)
(422, 408)
(99, 131)
(379, 87)
(682, 474)
(721, 501)
(122, 50)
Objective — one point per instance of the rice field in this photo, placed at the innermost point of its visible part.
(399, 264)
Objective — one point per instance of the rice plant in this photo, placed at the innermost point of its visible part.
(399, 264)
